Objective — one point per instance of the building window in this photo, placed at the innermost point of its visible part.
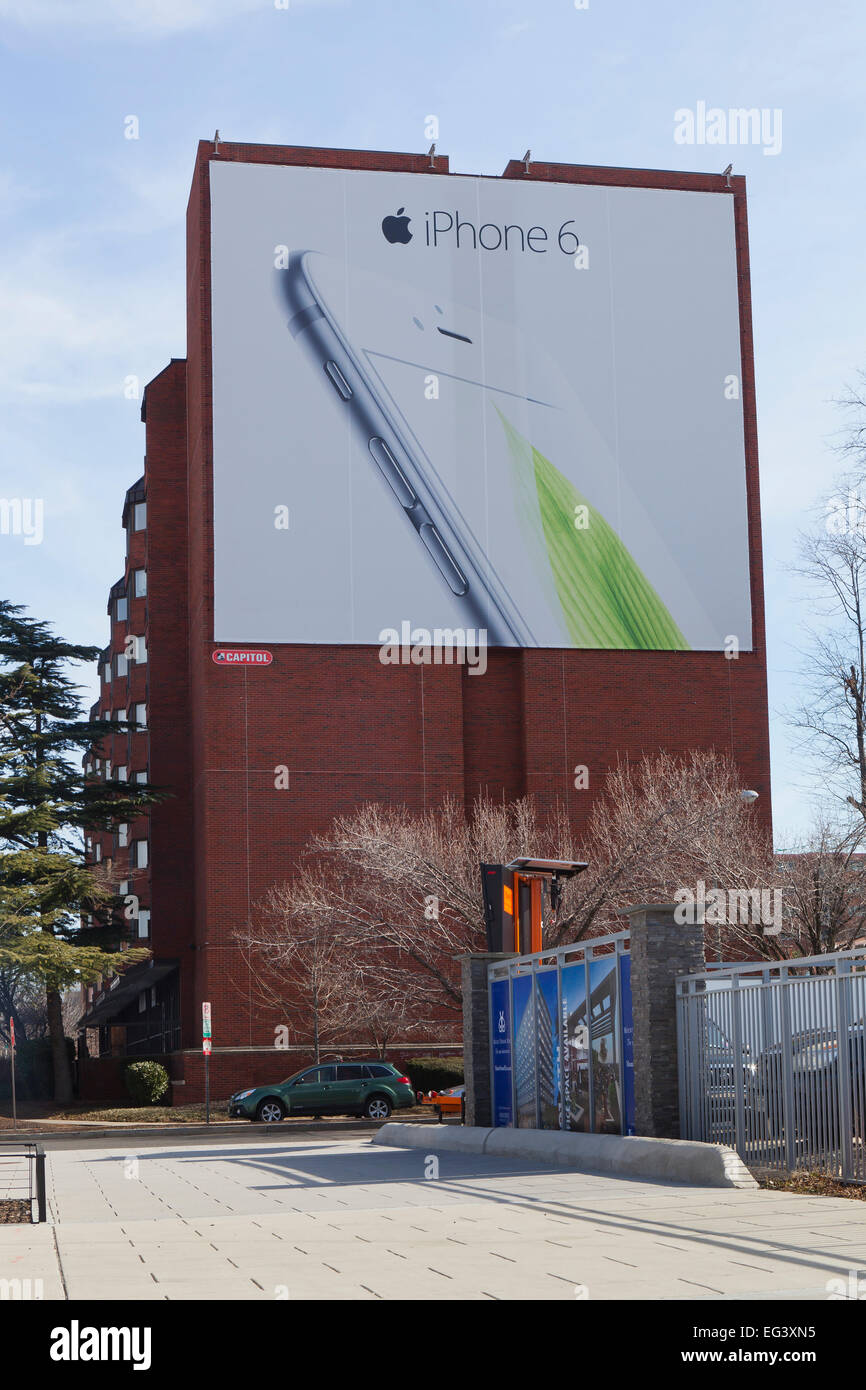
(123, 835)
(140, 583)
(121, 609)
(153, 996)
(141, 777)
(142, 1001)
(140, 516)
(144, 921)
(141, 715)
(120, 716)
(106, 672)
(108, 771)
(99, 854)
(140, 847)
(121, 774)
(121, 665)
(139, 652)
(123, 888)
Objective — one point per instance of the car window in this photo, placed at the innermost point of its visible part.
(373, 1070)
(350, 1071)
(315, 1076)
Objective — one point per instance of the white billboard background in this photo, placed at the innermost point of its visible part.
(614, 373)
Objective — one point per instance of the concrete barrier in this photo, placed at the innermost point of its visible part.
(665, 1160)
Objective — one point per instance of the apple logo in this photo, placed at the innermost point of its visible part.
(396, 228)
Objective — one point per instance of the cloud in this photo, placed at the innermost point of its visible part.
(150, 17)
(72, 336)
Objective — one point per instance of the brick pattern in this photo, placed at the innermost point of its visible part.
(661, 949)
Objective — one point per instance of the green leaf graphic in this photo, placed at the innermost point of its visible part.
(606, 599)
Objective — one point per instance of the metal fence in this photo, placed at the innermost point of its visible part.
(22, 1177)
(772, 1061)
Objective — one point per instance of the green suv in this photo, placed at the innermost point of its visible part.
(373, 1089)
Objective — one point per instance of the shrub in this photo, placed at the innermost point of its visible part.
(146, 1082)
(435, 1073)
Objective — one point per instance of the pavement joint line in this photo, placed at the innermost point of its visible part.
(693, 1283)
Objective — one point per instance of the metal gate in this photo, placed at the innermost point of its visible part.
(772, 1061)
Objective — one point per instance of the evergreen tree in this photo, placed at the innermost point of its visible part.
(46, 805)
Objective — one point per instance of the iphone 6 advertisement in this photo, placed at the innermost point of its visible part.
(475, 405)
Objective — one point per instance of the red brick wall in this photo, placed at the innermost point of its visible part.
(350, 729)
(169, 715)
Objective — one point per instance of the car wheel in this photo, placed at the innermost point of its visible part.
(377, 1108)
(270, 1110)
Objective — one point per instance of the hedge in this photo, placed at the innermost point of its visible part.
(146, 1082)
(435, 1073)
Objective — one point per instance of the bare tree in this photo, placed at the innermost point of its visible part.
(390, 899)
(664, 824)
(824, 886)
(401, 894)
(296, 963)
(375, 1011)
(832, 560)
(833, 715)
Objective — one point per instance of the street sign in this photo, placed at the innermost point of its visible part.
(206, 1046)
(12, 1031)
(205, 1021)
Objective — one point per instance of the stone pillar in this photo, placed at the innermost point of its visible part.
(476, 1036)
(661, 949)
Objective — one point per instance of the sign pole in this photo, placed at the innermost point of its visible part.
(14, 1102)
(206, 1049)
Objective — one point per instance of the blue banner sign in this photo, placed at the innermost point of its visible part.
(500, 1016)
(627, 1046)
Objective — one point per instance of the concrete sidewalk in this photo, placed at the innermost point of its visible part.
(344, 1219)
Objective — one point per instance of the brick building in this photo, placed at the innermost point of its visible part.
(347, 728)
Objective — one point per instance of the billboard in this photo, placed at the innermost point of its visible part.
(457, 406)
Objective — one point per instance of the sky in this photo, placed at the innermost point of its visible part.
(92, 289)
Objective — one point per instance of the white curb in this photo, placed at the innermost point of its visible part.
(670, 1160)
